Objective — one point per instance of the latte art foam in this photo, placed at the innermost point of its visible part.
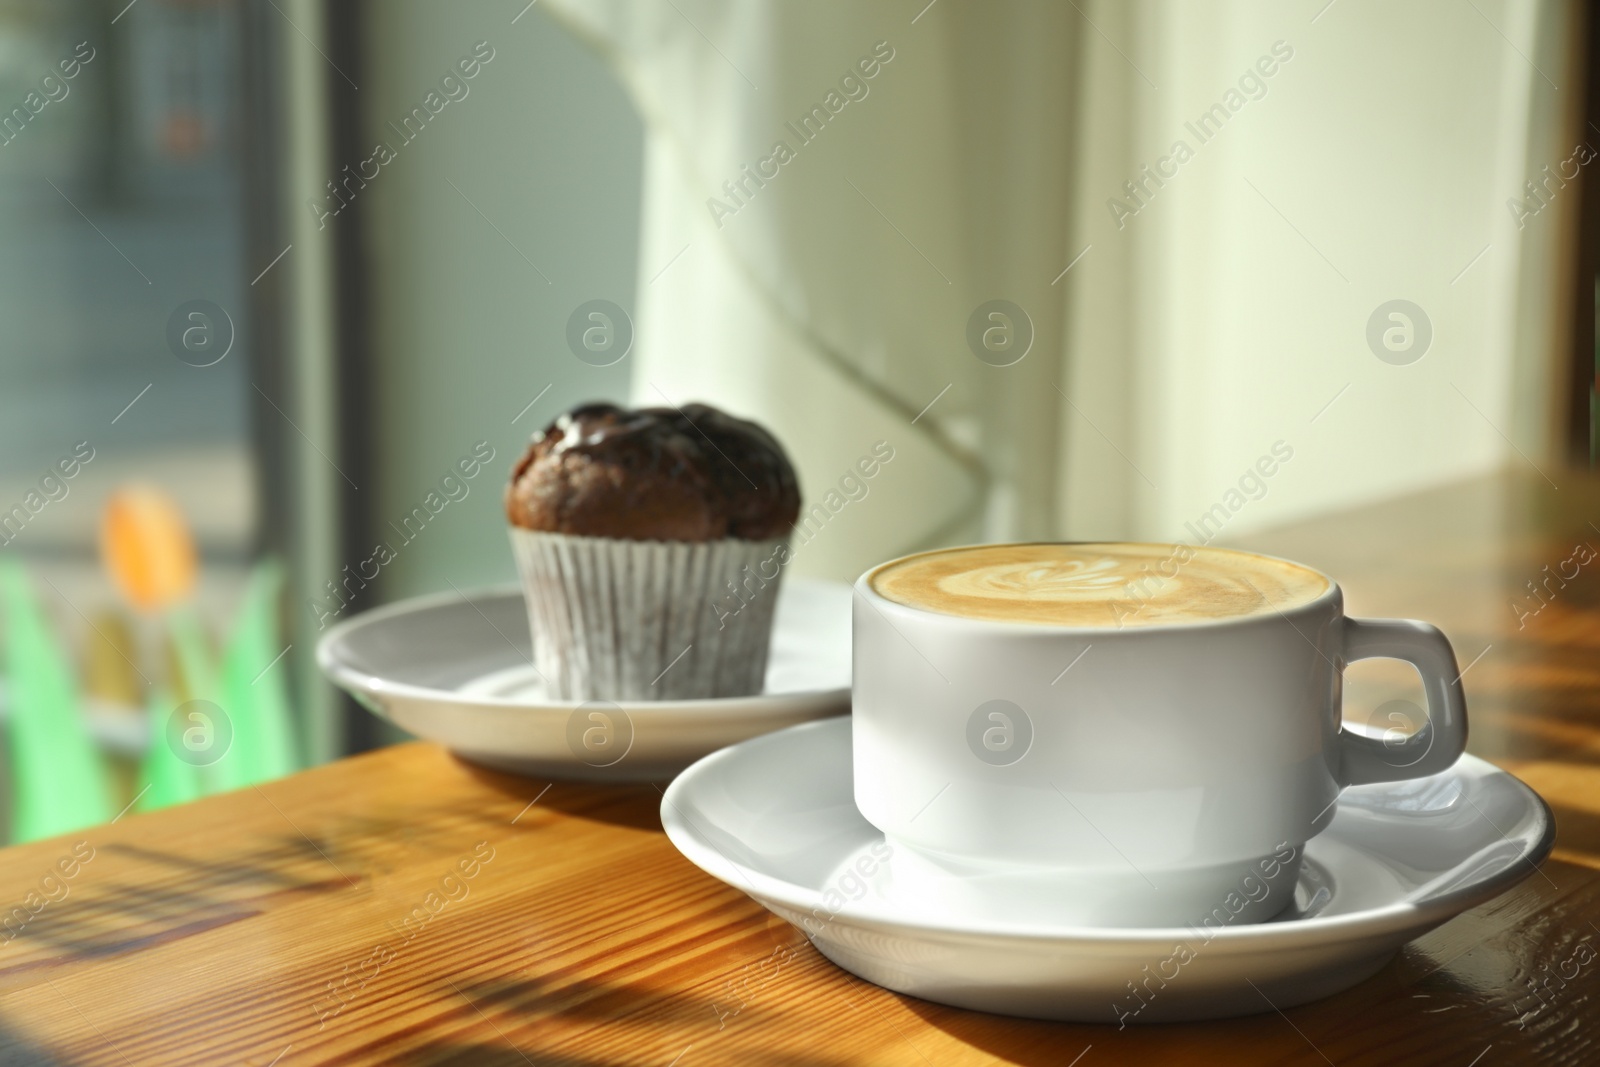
(1097, 584)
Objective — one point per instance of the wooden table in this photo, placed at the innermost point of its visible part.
(406, 908)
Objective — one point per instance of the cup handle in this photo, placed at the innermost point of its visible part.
(1441, 739)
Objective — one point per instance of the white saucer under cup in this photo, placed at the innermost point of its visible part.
(774, 818)
(1148, 775)
(458, 669)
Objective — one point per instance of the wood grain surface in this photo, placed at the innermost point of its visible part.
(404, 907)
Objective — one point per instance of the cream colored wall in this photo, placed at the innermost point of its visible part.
(1226, 315)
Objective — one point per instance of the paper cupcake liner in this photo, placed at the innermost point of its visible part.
(615, 619)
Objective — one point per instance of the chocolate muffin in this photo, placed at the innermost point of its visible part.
(654, 474)
(651, 543)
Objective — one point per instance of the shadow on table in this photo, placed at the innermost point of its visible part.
(18, 1051)
(179, 896)
(1025, 1042)
(1036, 1043)
(631, 804)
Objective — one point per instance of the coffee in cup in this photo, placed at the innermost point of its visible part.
(1097, 584)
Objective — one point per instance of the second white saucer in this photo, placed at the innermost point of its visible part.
(775, 817)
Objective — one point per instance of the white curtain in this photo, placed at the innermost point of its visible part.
(832, 301)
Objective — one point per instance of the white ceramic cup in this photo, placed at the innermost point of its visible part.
(1154, 775)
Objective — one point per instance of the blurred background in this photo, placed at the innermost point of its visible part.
(270, 268)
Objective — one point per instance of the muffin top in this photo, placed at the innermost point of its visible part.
(654, 474)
